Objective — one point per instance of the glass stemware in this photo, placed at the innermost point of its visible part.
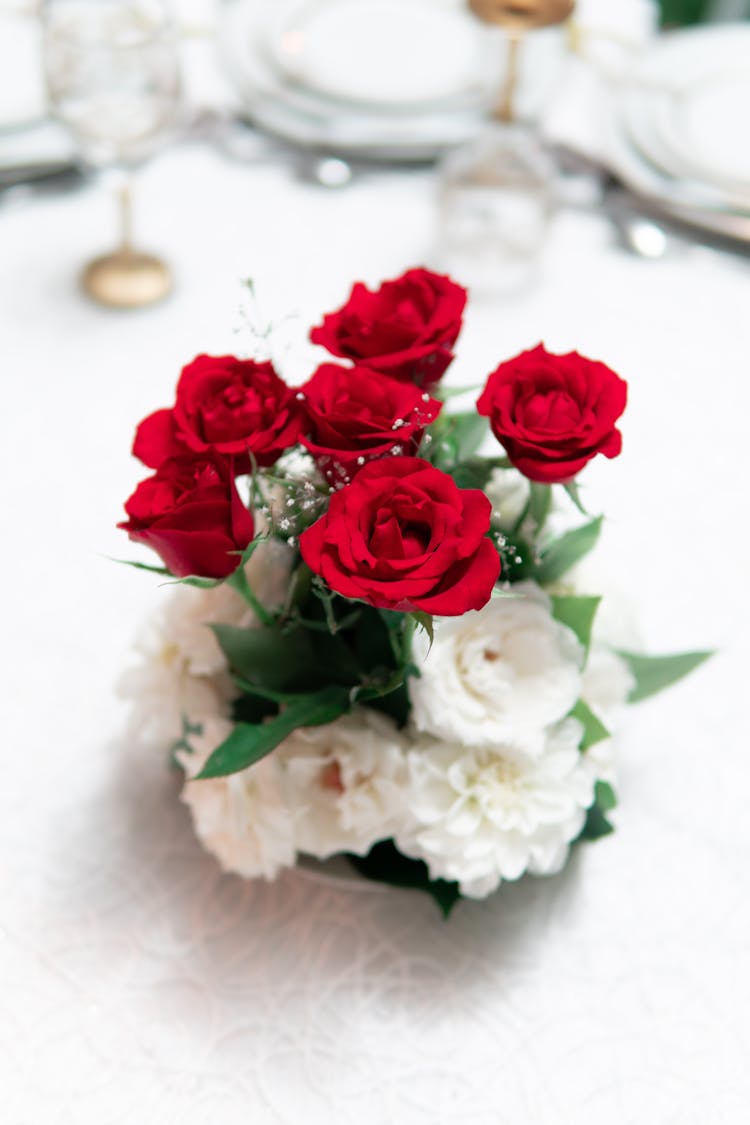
(112, 75)
(497, 192)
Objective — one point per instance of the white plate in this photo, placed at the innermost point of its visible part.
(381, 52)
(686, 103)
(387, 130)
(706, 130)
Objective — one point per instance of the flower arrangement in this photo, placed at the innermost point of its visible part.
(378, 646)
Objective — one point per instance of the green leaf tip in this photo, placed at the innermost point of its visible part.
(249, 742)
(563, 553)
(654, 673)
(384, 863)
(578, 613)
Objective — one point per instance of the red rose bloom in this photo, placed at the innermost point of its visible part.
(224, 405)
(352, 415)
(405, 329)
(553, 413)
(403, 536)
(189, 512)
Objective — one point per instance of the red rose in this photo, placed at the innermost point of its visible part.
(403, 536)
(190, 513)
(553, 413)
(352, 415)
(224, 405)
(405, 329)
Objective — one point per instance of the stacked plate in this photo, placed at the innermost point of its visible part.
(681, 129)
(387, 79)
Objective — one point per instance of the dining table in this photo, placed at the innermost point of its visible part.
(139, 981)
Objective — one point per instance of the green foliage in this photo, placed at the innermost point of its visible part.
(248, 743)
(474, 472)
(456, 438)
(424, 621)
(597, 824)
(563, 553)
(160, 570)
(578, 613)
(327, 656)
(571, 487)
(654, 673)
(385, 864)
(540, 503)
(593, 729)
(681, 12)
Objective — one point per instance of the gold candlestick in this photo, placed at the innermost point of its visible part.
(126, 278)
(517, 17)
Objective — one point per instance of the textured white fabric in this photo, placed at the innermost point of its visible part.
(139, 983)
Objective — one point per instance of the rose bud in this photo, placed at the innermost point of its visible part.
(190, 513)
(351, 416)
(403, 536)
(553, 413)
(405, 329)
(234, 407)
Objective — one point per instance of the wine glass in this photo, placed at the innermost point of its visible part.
(112, 75)
(497, 192)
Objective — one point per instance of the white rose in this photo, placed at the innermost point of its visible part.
(497, 676)
(182, 672)
(508, 492)
(607, 683)
(345, 781)
(243, 819)
(484, 814)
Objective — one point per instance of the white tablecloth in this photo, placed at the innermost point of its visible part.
(138, 982)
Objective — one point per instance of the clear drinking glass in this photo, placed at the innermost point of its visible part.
(496, 193)
(112, 75)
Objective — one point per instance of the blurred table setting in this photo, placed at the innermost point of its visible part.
(301, 144)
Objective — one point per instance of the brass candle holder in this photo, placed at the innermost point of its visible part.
(517, 17)
(126, 278)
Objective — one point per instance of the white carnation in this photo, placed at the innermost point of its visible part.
(500, 675)
(244, 819)
(607, 683)
(484, 814)
(345, 781)
(182, 671)
(508, 492)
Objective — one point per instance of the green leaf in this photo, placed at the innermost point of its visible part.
(597, 824)
(424, 621)
(385, 864)
(445, 394)
(476, 471)
(578, 613)
(565, 552)
(456, 437)
(248, 743)
(144, 566)
(604, 796)
(654, 673)
(594, 729)
(540, 503)
(571, 487)
(271, 658)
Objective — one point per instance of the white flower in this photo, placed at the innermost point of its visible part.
(607, 683)
(508, 492)
(182, 671)
(497, 676)
(484, 814)
(345, 781)
(243, 819)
